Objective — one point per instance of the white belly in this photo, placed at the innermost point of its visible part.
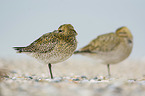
(54, 56)
(111, 57)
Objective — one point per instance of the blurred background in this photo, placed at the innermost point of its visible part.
(23, 21)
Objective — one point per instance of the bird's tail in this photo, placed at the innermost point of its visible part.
(19, 49)
(82, 51)
(77, 52)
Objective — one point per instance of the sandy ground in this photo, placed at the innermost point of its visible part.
(78, 76)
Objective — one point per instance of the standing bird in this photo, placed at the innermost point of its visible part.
(53, 47)
(110, 48)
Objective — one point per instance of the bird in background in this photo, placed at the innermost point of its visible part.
(53, 47)
(110, 48)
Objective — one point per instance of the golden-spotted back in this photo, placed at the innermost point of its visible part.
(103, 43)
(53, 47)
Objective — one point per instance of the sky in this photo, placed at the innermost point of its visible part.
(23, 21)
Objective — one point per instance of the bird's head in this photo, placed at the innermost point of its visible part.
(124, 32)
(67, 30)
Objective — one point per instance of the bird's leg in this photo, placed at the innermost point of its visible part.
(108, 67)
(49, 65)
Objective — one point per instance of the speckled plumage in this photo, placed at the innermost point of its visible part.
(53, 47)
(110, 48)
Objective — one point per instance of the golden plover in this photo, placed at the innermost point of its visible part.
(109, 48)
(53, 47)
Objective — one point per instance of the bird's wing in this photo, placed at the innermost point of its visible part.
(44, 44)
(102, 43)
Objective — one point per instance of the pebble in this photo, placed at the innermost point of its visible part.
(57, 79)
(131, 80)
(83, 77)
(95, 78)
(76, 79)
(85, 81)
(66, 77)
(37, 80)
(101, 77)
(13, 78)
(93, 81)
(29, 77)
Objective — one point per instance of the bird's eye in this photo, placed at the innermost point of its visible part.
(60, 31)
(122, 32)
